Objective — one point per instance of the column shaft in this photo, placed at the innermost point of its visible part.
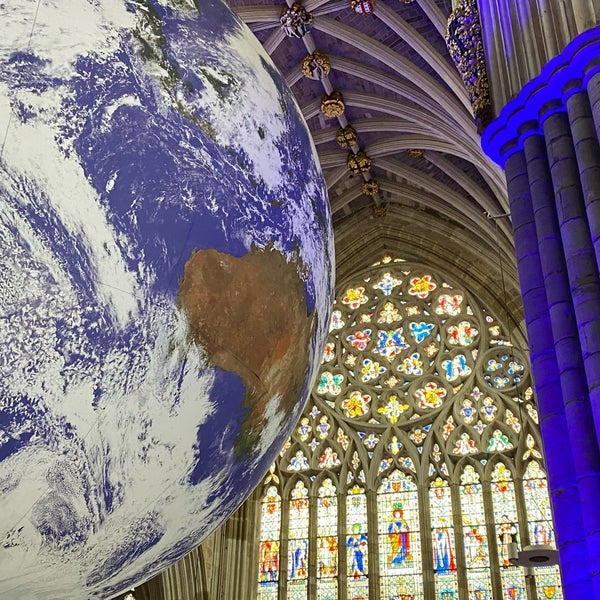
(559, 460)
(579, 252)
(573, 381)
(587, 150)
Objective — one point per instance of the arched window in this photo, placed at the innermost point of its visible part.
(268, 571)
(416, 462)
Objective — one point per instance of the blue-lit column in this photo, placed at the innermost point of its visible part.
(546, 138)
(564, 491)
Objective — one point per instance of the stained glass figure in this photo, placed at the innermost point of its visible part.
(298, 542)
(356, 542)
(537, 500)
(399, 531)
(474, 534)
(327, 540)
(268, 554)
(443, 533)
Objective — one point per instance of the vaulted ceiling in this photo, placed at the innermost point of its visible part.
(401, 93)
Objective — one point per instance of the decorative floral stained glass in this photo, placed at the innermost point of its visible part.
(371, 370)
(327, 541)
(330, 383)
(463, 334)
(329, 459)
(298, 543)
(299, 462)
(390, 344)
(431, 395)
(328, 353)
(456, 367)
(355, 297)
(444, 558)
(393, 409)
(304, 429)
(421, 286)
(268, 553)
(499, 442)
(389, 314)
(465, 445)
(323, 427)
(359, 339)
(399, 537)
(336, 320)
(387, 283)
(412, 365)
(356, 404)
(420, 331)
(448, 304)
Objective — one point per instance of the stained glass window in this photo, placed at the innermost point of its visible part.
(298, 543)
(443, 543)
(507, 530)
(357, 544)
(476, 543)
(327, 541)
(268, 572)
(404, 470)
(399, 536)
(541, 531)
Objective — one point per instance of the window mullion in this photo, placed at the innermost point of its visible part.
(373, 545)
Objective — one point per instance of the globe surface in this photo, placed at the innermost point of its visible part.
(167, 256)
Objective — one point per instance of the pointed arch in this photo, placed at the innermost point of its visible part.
(424, 422)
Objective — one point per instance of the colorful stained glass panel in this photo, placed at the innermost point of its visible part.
(298, 542)
(356, 543)
(475, 539)
(399, 536)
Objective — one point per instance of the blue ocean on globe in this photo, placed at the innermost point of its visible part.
(167, 265)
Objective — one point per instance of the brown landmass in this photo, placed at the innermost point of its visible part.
(250, 316)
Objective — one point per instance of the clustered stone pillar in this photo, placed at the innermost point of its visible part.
(547, 139)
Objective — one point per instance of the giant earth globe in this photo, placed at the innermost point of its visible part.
(166, 284)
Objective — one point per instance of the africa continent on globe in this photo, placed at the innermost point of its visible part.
(166, 284)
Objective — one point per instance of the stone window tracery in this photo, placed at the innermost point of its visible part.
(417, 457)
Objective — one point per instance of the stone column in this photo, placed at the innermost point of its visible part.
(546, 138)
(553, 426)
